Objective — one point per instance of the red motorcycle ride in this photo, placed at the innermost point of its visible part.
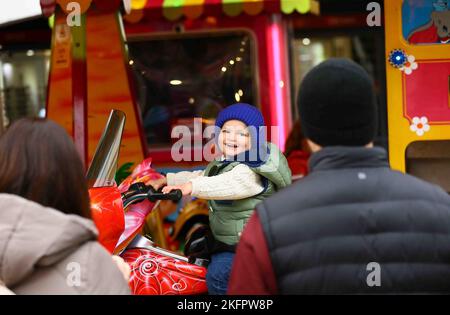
(120, 213)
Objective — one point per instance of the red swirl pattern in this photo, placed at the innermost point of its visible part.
(155, 274)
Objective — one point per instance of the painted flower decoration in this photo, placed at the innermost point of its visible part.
(420, 125)
(410, 65)
(398, 58)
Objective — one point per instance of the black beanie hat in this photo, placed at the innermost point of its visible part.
(337, 104)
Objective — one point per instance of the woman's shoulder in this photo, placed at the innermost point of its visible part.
(99, 273)
(87, 270)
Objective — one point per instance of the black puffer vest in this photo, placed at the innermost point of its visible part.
(355, 226)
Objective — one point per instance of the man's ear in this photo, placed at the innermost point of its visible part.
(314, 147)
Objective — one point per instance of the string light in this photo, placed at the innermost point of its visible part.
(176, 82)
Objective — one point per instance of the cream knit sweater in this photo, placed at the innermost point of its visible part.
(239, 183)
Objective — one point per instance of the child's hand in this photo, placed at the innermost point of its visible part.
(123, 266)
(186, 189)
(158, 183)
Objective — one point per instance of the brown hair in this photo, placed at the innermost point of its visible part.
(296, 140)
(39, 162)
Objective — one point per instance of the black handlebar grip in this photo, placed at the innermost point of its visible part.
(174, 195)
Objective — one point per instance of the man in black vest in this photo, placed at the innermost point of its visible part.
(352, 225)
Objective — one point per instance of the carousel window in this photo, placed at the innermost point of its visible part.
(178, 78)
(23, 84)
(311, 47)
(426, 21)
(430, 161)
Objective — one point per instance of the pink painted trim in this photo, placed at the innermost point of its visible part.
(276, 51)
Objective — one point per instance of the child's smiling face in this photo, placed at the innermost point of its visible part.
(234, 138)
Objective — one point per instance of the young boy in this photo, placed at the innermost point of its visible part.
(249, 170)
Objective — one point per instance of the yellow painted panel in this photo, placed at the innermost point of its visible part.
(400, 136)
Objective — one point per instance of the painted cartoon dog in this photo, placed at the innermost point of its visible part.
(437, 30)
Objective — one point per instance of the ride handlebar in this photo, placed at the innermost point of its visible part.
(139, 192)
(174, 195)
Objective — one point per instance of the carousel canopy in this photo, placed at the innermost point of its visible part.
(175, 9)
(18, 10)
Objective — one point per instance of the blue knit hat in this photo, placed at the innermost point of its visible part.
(248, 114)
(251, 117)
